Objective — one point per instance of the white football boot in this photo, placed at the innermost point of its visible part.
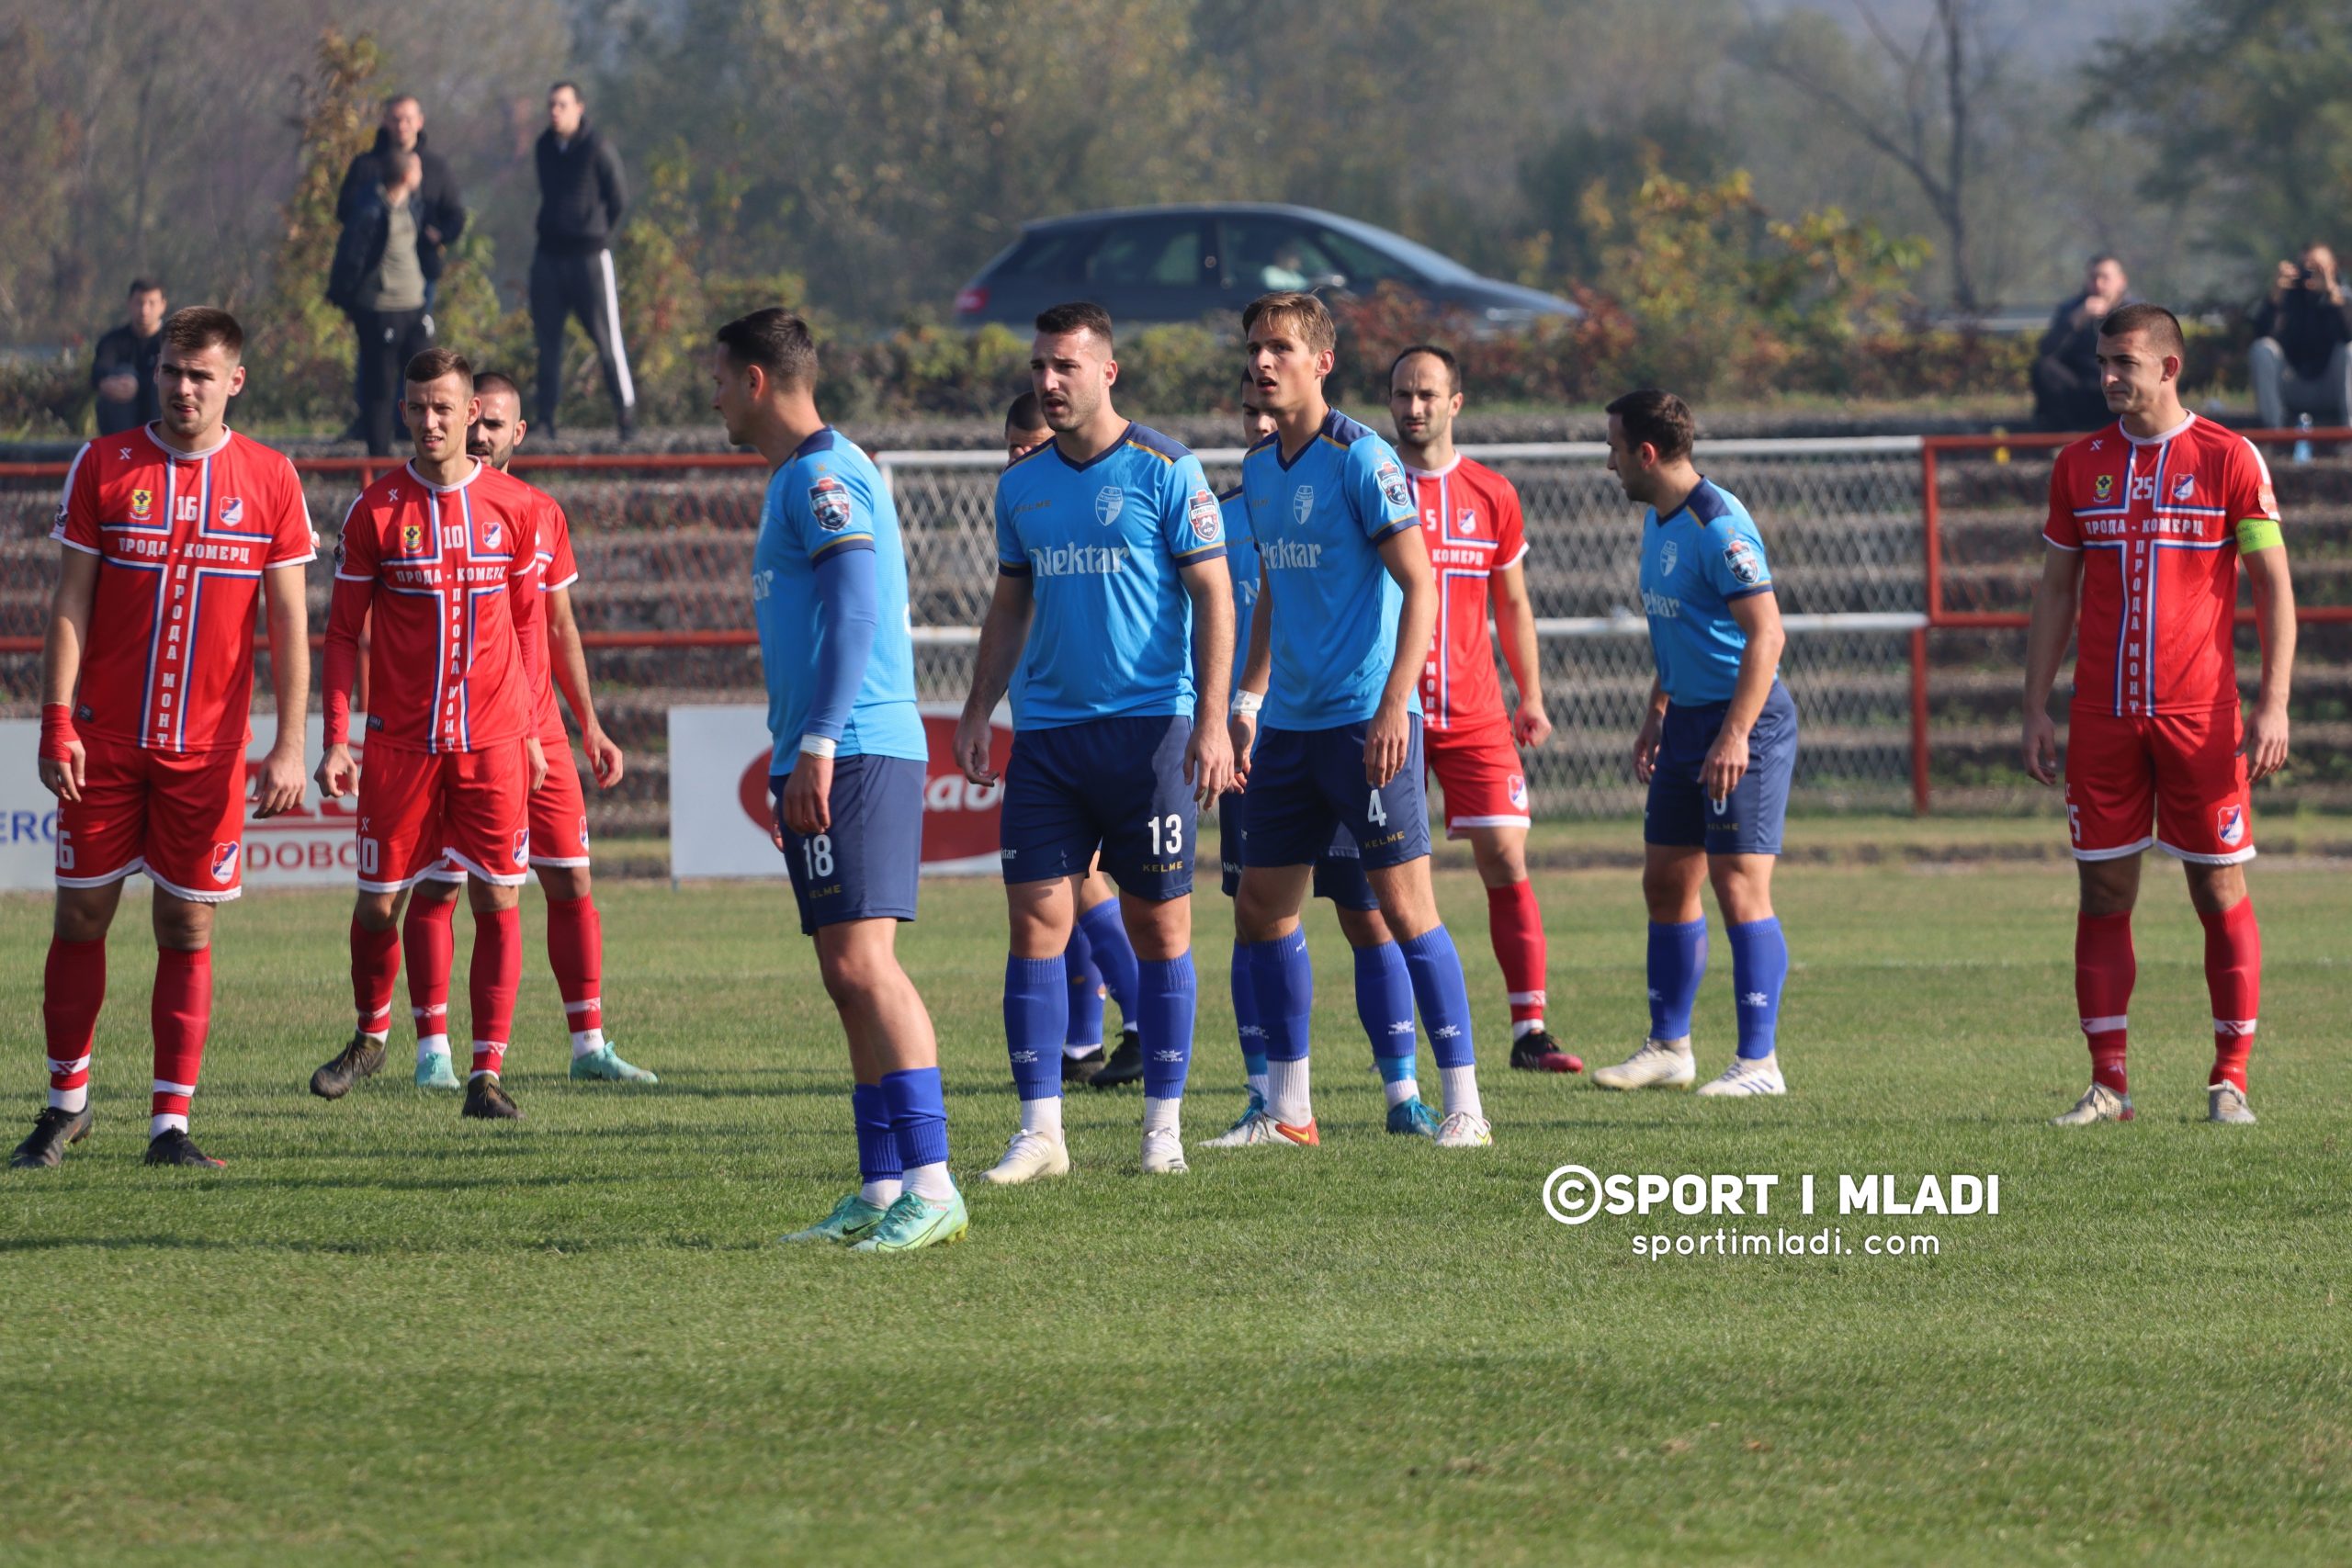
(2099, 1103)
(1163, 1152)
(2225, 1101)
(1657, 1064)
(1029, 1157)
(1461, 1130)
(1759, 1074)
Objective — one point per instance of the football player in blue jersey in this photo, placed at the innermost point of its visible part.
(1717, 750)
(1383, 990)
(1345, 613)
(829, 591)
(1111, 603)
(1099, 962)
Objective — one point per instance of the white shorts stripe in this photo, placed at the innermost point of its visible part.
(613, 328)
(2131, 848)
(491, 877)
(2107, 1025)
(2234, 857)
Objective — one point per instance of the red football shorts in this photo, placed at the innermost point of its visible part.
(2176, 773)
(177, 815)
(1479, 772)
(559, 810)
(417, 807)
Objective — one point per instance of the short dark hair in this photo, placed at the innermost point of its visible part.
(194, 328)
(2160, 325)
(1659, 419)
(1442, 355)
(435, 363)
(497, 381)
(1304, 313)
(142, 285)
(397, 99)
(1024, 413)
(573, 85)
(2102, 256)
(1077, 316)
(777, 342)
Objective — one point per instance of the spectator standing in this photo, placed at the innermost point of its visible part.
(379, 280)
(2300, 361)
(444, 209)
(122, 366)
(2066, 393)
(582, 197)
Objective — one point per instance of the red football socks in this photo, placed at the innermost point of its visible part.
(1516, 926)
(429, 938)
(497, 971)
(2104, 971)
(576, 952)
(2234, 975)
(375, 964)
(181, 1012)
(74, 987)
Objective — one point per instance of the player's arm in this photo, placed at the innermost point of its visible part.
(848, 613)
(1257, 674)
(1515, 625)
(569, 659)
(2045, 644)
(1758, 616)
(355, 595)
(62, 757)
(1389, 740)
(1004, 631)
(1208, 755)
(1653, 731)
(2265, 746)
(279, 786)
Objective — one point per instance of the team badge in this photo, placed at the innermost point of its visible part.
(233, 510)
(142, 502)
(490, 531)
(1747, 565)
(1301, 504)
(1391, 479)
(2229, 826)
(1667, 555)
(584, 832)
(829, 501)
(2103, 487)
(1516, 784)
(224, 862)
(522, 846)
(1109, 501)
(1467, 521)
(1208, 519)
(413, 538)
(2183, 488)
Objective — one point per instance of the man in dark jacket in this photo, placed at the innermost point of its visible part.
(2066, 393)
(122, 366)
(443, 208)
(2301, 358)
(379, 280)
(582, 197)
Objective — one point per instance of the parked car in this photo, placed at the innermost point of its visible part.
(1181, 263)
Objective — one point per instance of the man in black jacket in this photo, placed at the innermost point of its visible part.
(2067, 394)
(378, 279)
(2301, 358)
(443, 207)
(582, 197)
(122, 366)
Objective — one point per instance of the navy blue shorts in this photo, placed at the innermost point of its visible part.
(867, 864)
(1339, 871)
(1115, 786)
(1681, 816)
(1306, 784)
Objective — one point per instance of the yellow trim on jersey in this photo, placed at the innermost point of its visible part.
(1141, 447)
(1039, 450)
(2259, 534)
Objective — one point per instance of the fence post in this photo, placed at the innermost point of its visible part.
(1918, 721)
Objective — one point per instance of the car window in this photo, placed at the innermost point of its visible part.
(1163, 253)
(1263, 253)
(1053, 256)
(1359, 263)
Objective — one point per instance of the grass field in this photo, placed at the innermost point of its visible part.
(384, 1335)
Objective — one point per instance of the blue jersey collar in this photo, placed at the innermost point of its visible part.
(1125, 431)
(820, 441)
(1692, 504)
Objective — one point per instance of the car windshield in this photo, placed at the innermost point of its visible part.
(1414, 257)
(1053, 256)
(1162, 252)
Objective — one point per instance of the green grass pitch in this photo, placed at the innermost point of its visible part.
(382, 1334)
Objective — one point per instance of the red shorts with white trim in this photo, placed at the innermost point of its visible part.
(1480, 772)
(2173, 780)
(416, 807)
(559, 810)
(177, 815)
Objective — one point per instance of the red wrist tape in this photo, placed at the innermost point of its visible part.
(57, 737)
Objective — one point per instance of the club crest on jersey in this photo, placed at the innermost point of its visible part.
(1302, 504)
(1667, 555)
(1747, 565)
(1467, 520)
(1391, 479)
(490, 534)
(224, 862)
(233, 510)
(2229, 826)
(2103, 487)
(828, 500)
(2183, 488)
(1109, 501)
(522, 846)
(413, 538)
(1516, 784)
(142, 502)
(1208, 519)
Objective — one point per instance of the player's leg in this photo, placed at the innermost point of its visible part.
(1486, 803)
(2111, 812)
(1674, 873)
(1114, 958)
(1743, 843)
(1384, 989)
(400, 836)
(1247, 1031)
(558, 813)
(196, 858)
(1082, 1047)
(428, 951)
(1287, 825)
(1149, 834)
(486, 829)
(551, 318)
(2205, 819)
(1048, 842)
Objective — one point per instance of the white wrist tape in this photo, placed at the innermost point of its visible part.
(818, 746)
(1246, 703)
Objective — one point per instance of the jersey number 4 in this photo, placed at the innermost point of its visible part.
(1376, 813)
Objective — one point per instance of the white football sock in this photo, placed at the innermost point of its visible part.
(1074, 1051)
(70, 1098)
(1525, 1027)
(431, 1045)
(931, 1181)
(1041, 1116)
(1460, 1091)
(1163, 1115)
(159, 1125)
(586, 1043)
(377, 1036)
(1286, 1094)
(1399, 1090)
(881, 1194)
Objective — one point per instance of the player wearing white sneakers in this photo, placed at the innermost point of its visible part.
(1717, 751)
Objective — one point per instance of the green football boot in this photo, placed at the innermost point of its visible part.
(915, 1222)
(853, 1219)
(605, 1066)
(432, 1071)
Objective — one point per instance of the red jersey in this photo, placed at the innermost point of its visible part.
(458, 651)
(2156, 521)
(182, 542)
(1471, 522)
(558, 568)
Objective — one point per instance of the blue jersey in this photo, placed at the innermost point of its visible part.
(1103, 543)
(1695, 563)
(1319, 520)
(828, 497)
(1241, 558)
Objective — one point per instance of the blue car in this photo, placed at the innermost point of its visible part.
(1181, 264)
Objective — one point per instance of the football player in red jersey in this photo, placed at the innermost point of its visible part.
(1477, 543)
(167, 533)
(445, 551)
(559, 811)
(2149, 520)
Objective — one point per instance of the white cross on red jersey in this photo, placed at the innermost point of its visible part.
(1471, 525)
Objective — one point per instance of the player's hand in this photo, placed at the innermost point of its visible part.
(2265, 746)
(2041, 747)
(1530, 726)
(975, 739)
(278, 786)
(62, 776)
(536, 755)
(1387, 741)
(337, 774)
(603, 757)
(808, 795)
(1645, 745)
(1241, 729)
(1726, 763)
(1208, 763)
